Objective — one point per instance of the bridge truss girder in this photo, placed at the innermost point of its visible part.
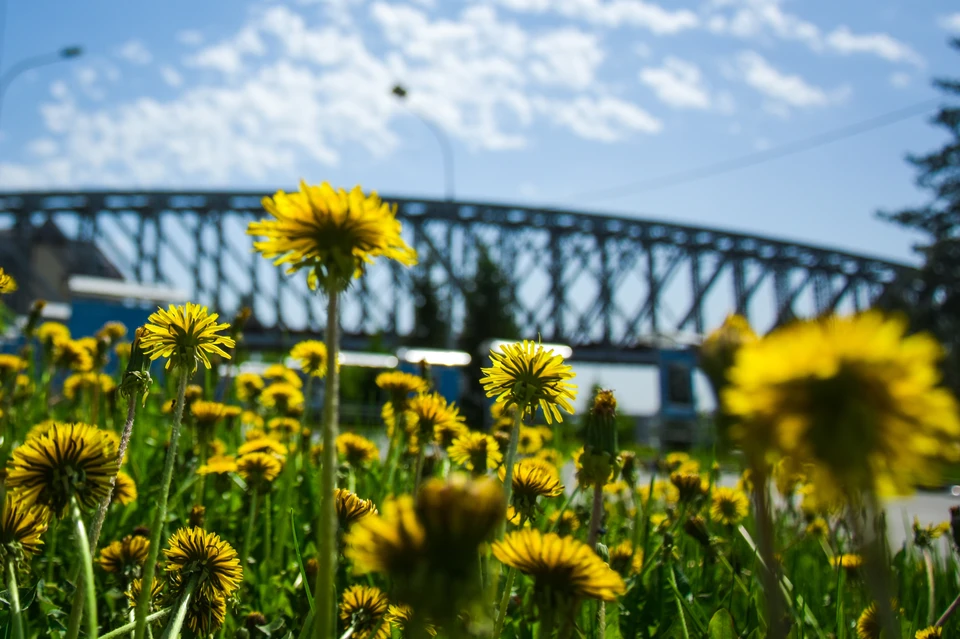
(603, 284)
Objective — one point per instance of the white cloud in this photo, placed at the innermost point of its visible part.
(190, 37)
(678, 83)
(761, 144)
(87, 79)
(605, 119)
(135, 52)
(171, 76)
(900, 79)
(227, 56)
(766, 18)
(950, 22)
(613, 13)
(43, 147)
(283, 92)
(566, 58)
(842, 40)
(785, 90)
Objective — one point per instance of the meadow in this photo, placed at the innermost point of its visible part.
(207, 502)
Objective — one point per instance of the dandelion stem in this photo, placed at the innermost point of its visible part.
(173, 628)
(504, 602)
(251, 526)
(156, 534)
(948, 613)
(769, 573)
(546, 627)
(596, 514)
(121, 451)
(931, 587)
(124, 629)
(14, 593)
(418, 476)
(508, 465)
(327, 528)
(86, 564)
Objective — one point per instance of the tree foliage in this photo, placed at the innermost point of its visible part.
(932, 298)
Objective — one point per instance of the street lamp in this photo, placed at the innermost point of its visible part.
(401, 93)
(33, 62)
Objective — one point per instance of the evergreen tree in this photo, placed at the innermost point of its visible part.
(489, 315)
(932, 298)
(431, 321)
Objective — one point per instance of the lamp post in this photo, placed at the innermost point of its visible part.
(401, 93)
(33, 62)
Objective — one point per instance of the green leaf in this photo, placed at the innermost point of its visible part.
(721, 626)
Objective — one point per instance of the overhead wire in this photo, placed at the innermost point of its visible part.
(759, 157)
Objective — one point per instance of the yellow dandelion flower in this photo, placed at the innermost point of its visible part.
(196, 553)
(185, 335)
(530, 441)
(674, 460)
(206, 614)
(124, 489)
(71, 354)
(78, 382)
(358, 451)
(529, 482)
(351, 508)
(259, 468)
(869, 625)
(284, 425)
(550, 455)
(624, 560)
(729, 506)
(853, 396)
(849, 562)
(281, 397)
(475, 451)
(133, 593)
(332, 233)
(7, 283)
(312, 355)
(364, 608)
(125, 557)
(206, 414)
(564, 522)
(563, 569)
(526, 374)
(818, 528)
(659, 521)
(390, 543)
(445, 434)
(68, 461)
(932, 632)
(50, 333)
(401, 615)
(112, 331)
(690, 486)
(459, 513)
(21, 528)
(250, 418)
(430, 410)
(400, 384)
(10, 365)
(248, 386)
(123, 350)
(280, 373)
(218, 465)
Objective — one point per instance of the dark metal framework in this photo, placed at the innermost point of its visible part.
(603, 284)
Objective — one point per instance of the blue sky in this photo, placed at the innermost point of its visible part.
(542, 99)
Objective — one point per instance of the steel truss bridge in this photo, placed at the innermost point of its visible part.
(602, 284)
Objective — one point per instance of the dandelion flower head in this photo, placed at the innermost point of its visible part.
(528, 375)
(185, 335)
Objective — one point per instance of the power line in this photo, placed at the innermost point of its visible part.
(752, 159)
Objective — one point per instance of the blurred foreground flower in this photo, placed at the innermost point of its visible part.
(853, 396)
(7, 283)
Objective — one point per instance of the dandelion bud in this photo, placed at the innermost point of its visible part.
(198, 516)
(254, 620)
(33, 318)
(600, 451)
(696, 527)
(603, 552)
(136, 379)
